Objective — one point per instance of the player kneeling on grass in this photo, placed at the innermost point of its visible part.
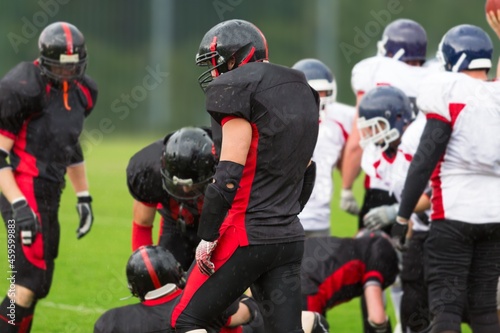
(335, 270)
(156, 278)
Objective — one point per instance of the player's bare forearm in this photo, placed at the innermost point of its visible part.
(78, 178)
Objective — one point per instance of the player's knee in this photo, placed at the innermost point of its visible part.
(24, 297)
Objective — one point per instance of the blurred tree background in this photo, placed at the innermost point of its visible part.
(142, 52)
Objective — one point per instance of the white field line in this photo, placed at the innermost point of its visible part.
(74, 308)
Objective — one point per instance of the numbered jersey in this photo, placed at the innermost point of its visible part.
(468, 175)
(334, 130)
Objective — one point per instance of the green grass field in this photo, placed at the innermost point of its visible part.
(90, 272)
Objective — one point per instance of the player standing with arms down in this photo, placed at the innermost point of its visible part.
(463, 117)
(43, 105)
(265, 126)
(335, 122)
(170, 176)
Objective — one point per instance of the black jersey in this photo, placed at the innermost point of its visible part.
(335, 270)
(44, 124)
(151, 316)
(283, 111)
(145, 185)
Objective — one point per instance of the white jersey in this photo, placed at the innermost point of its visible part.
(379, 71)
(333, 132)
(466, 182)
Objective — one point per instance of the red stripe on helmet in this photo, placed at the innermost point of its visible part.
(213, 48)
(248, 57)
(150, 268)
(69, 38)
(265, 43)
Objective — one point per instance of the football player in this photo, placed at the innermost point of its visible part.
(335, 123)
(335, 270)
(156, 278)
(462, 249)
(265, 126)
(170, 176)
(43, 106)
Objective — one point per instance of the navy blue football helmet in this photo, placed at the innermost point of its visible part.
(233, 38)
(465, 47)
(150, 268)
(320, 78)
(404, 40)
(383, 113)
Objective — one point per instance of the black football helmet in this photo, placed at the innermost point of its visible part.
(233, 38)
(384, 111)
(151, 267)
(187, 163)
(63, 55)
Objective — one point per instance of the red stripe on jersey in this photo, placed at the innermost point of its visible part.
(27, 162)
(226, 119)
(35, 252)
(437, 117)
(367, 182)
(8, 134)
(408, 157)
(86, 93)
(379, 84)
(455, 109)
(164, 299)
(373, 274)
(150, 268)
(69, 38)
(237, 329)
(437, 193)
(375, 166)
(345, 134)
(388, 158)
(350, 273)
(227, 244)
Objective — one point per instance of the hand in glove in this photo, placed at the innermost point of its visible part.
(398, 233)
(203, 255)
(84, 209)
(26, 221)
(348, 203)
(381, 217)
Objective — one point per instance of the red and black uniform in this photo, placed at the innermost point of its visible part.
(335, 270)
(179, 218)
(151, 316)
(45, 124)
(261, 237)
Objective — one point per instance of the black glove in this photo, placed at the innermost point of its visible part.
(84, 209)
(26, 222)
(398, 233)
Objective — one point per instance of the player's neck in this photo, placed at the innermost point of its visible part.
(475, 74)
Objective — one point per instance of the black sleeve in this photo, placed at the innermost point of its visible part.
(307, 185)
(381, 262)
(431, 148)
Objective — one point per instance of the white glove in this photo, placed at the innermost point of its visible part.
(381, 217)
(348, 203)
(203, 255)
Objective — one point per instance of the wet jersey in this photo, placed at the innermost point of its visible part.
(335, 270)
(145, 185)
(44, 123)
(283, 112)
(468, 175)
(334, 130)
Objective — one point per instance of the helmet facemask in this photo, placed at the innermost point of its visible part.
(376, 131)
(68, 68)
(183, 189)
